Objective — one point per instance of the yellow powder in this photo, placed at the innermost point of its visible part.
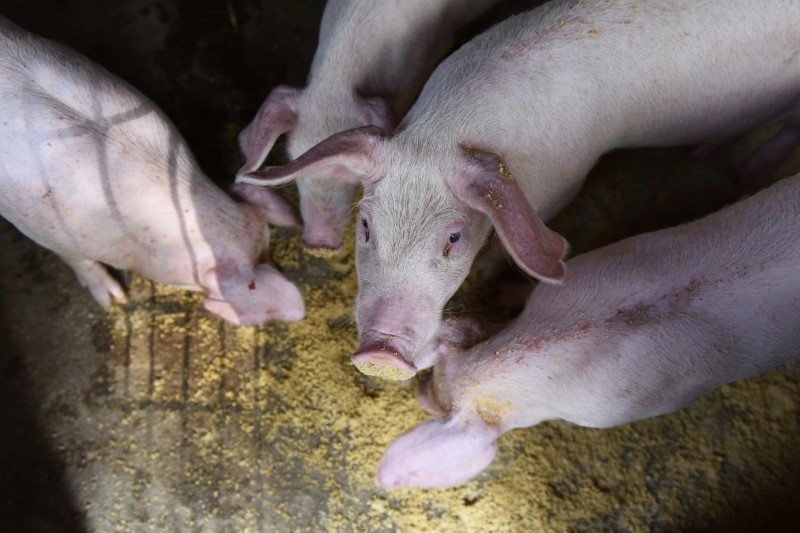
(270, 428)
(389, 372)
(492, 409)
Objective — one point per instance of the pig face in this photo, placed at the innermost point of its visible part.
(240, 291)
(415, 245)
(426, 212)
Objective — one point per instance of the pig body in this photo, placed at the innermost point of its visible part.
(641, 328)
(92, 170)
(371, 62)
(506, 129)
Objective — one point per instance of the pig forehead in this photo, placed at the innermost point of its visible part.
(412, 205)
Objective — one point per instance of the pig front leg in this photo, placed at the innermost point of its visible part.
(94, 276)
(438, 453)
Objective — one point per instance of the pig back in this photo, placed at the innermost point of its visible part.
(92, 169)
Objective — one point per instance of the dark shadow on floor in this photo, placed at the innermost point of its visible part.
(33, 493)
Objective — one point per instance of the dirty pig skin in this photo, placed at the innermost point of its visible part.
(507, 127)
(94, 171)
(640, 328)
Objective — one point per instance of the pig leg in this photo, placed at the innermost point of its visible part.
(440, 452)
(96, 278)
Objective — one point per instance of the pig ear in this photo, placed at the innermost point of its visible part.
(438, 453)
(350, 156)
(486, 184)
(270, 204)
(276, 116)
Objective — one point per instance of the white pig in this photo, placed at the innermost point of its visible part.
(640, 328)
(92, 170)
(507, 127)
(372, 59)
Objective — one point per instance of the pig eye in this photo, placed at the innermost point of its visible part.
(366, 229)
(452, 240)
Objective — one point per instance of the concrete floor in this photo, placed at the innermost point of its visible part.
(159, 417)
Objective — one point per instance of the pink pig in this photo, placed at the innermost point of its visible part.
(92, 170)
(371, 62)
(508, 126)
(639, 329)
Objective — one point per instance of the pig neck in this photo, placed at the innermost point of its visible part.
(551, 90)
(644, 326)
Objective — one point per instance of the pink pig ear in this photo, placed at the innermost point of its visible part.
(270, 204)
(276, 116)
(486, 184)
(350, 156)
(438, 453)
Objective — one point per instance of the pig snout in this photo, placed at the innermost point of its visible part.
(391, 331)
(319, 238)
(325, 208)
(265, 295)
(380, 358)
(287, 303)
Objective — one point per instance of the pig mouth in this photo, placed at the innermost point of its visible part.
(381, 359)
(325, 251)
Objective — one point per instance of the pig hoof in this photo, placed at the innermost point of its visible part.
(383, 362)
(94, 276)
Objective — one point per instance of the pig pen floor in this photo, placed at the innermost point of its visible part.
(157, 416)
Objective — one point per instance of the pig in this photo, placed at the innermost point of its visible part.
(507, 127)
(371, 62)
(640, 328)
(94, 171)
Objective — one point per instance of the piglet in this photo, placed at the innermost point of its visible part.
(370, 64)
(506, 129)
(92, 170)
(641, 328)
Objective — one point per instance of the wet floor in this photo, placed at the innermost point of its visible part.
(159, 417)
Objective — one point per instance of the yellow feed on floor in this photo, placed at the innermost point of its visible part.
(281, 406)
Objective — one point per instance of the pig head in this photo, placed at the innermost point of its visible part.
(424, 216)
(308, 117)
(249, 291)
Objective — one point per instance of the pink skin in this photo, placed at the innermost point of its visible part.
(507, 127)
(92, 170)
(641, 328)
(371, 62)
